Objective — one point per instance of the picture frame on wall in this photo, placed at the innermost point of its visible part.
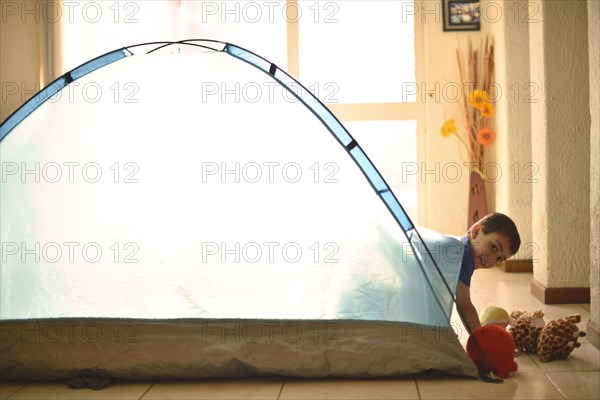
(461, 15)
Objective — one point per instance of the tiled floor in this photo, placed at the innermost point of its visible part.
(578, 377)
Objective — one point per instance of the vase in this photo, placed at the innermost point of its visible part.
(477, 199)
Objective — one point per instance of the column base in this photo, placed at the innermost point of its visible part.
(562, 295)
(593, 334)
(516, 266)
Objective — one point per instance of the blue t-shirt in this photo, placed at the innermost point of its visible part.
(468, 264)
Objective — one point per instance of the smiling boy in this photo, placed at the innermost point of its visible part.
(490, 241)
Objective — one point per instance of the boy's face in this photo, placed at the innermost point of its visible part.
(488, 249)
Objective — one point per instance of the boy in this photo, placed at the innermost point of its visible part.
(491, 240)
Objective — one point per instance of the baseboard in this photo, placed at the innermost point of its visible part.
(593, 334)
(516, 266)
(562, 295)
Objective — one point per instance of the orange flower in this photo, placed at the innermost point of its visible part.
(486, 136)
(487, 110)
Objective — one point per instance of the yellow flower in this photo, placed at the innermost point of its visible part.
(486, 136)
(478, 97)
(487, 110)
(449, 128)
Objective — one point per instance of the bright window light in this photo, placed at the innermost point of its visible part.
(91, 28)
(392, 147)
(364, 48)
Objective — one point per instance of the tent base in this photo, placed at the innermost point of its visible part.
(168, 349)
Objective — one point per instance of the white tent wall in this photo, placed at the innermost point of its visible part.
(202, 196)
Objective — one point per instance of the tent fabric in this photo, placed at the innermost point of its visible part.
(171, 191)
(149, 349)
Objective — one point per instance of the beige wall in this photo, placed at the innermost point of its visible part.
(444, 208)
(546, 60)
(19, 56)
(560, 144)
(511, 194)
(594, 60)
(443, 204)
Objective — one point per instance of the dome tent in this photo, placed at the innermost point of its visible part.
(188, 209)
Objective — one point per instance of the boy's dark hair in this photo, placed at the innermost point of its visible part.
(502, 224)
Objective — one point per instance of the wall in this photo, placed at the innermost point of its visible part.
(511, 193)
(560, 141)
(543, 139)
(444, 206)
(594, 61)
(19, 56)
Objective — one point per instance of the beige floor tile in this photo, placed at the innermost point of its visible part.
(521, 385)
(554, 311)
(252, 388)
(526, 363)
(496, 274)
(577, 385)
(59, 390)
(478, 301)
(7, 389)
(523, 302)
(584, 340)
(501, 285)
(503, 293)
(586, 306)
(584, 358)
(347, 389)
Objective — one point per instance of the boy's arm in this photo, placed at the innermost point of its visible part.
(463, 301)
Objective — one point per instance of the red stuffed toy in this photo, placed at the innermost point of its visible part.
(498, 346)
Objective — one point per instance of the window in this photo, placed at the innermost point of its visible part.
(355, 56)
(361, 46)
